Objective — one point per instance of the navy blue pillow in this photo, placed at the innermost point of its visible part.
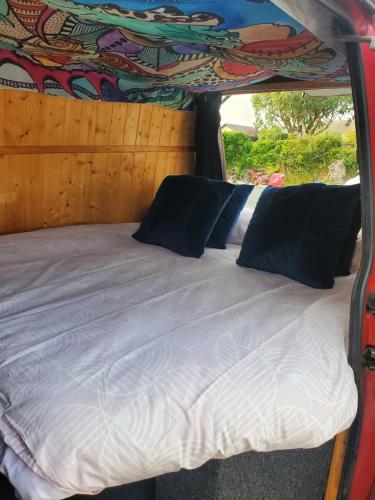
(300, 232)
(229, 216)
(184, 213)
(345, 260)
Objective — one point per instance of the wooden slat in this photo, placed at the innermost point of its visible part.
(32, 190)
(148, 180)
(116, 134)
(131, 124)
(103, 123)
(166, 127)
(51, 190)
(14, 129)
(172, 162)
(50, 150)
(54, 116)
(33, 114)
(334, 477)
(16, 192)
(65, 161)
(126, 173)
(2, 113)
(97, 195)
(113, 187)
(88, 120)
(144, 123)
(67, 193)
(151, 159)
(8, 198)
(177, 132)
(84, 162)
(72, 122)
(155, 126)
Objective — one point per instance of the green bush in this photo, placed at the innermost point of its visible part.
(350, 138)
(238, 147)
(301, 159)
(272, 134)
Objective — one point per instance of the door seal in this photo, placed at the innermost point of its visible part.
(368, 357)
(371, 302)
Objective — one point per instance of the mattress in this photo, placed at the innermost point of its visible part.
(121, 361)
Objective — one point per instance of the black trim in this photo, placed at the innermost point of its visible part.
(371, 302)
(337, 11)
(210, 158)
(368, 357)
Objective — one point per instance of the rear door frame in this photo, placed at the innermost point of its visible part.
(356, 19)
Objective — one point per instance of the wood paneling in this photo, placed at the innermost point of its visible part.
(16, 150)
(335, 471)
(65, 161)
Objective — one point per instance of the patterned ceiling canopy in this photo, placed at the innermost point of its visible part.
(162, 51)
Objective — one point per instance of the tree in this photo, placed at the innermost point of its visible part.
(298, 113)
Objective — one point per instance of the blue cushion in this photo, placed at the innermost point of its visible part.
(346, 256)
(184, 213)
(300, 232)
(229, 216)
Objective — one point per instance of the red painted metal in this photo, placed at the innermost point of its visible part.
(372, 493)
(362, 487)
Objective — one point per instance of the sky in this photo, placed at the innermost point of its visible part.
(238, 110)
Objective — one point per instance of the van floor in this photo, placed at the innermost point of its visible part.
(299, 474)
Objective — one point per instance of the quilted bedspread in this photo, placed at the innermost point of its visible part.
(121, 361)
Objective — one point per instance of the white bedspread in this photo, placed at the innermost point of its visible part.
(121, 361)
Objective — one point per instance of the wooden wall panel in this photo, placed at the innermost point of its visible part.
(65, 161)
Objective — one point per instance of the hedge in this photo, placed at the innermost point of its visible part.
(301, 159)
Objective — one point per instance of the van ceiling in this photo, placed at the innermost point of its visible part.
(163, 52)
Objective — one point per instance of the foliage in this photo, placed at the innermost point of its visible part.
(302, 160)
(350, 138)
(300, 114)
(272, 134)
(238, 147)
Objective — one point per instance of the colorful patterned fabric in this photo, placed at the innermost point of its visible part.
(158, 51)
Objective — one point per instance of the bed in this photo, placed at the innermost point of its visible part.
(122, 361)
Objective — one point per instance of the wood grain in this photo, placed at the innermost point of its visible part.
(66, 161)
(334, 477)
(27, 150)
